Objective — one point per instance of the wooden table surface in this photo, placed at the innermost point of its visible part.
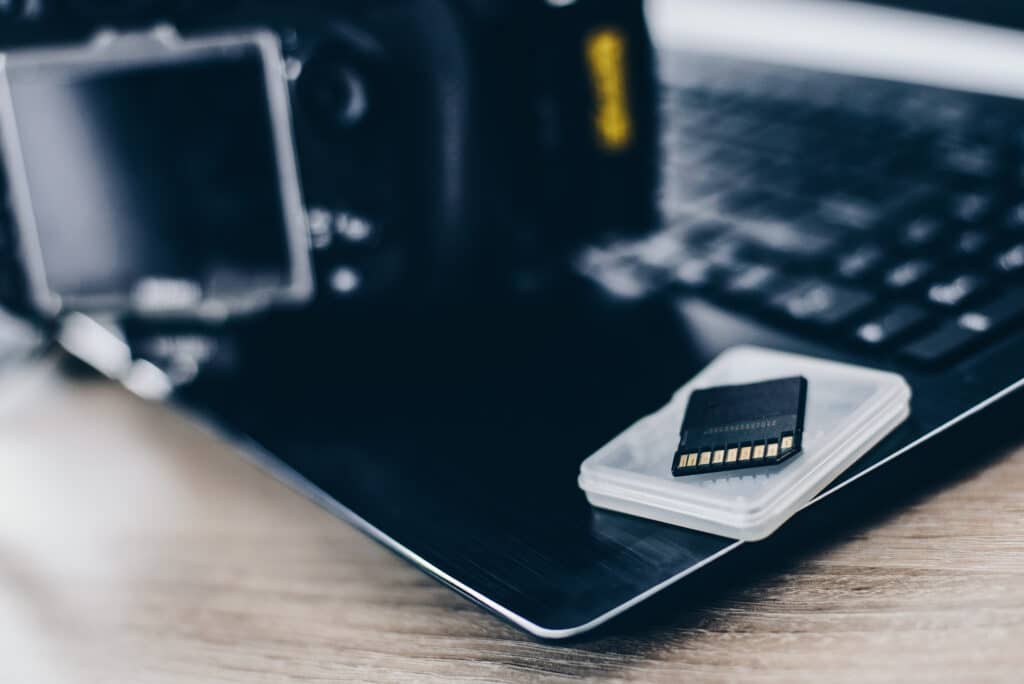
(135, 547)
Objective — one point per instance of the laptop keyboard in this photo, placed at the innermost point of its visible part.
(876, 214)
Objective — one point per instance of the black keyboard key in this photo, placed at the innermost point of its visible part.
(778, 138)
(949, 340)
(742, 201)
(702, 233)
(658, 252)
(787, 240)
(1010, 260)
(908, 273)
(762, 205)
(905, 162)
(1004, 310)
(725, 253)
(618, 279)
(758, 281)
(972, 207)
(1014, 219)
(734, 126)
(849, 211)
(971, 242)
(698, 189)
(921, 232)
(958, 336)
(957, 290)
(978, 161)
(820, 302)
(785, 208)
(892, 324)
(861, 262)
(696, 273)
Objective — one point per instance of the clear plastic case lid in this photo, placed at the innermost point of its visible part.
(849, 410)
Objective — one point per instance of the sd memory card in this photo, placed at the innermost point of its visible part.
(740, 426)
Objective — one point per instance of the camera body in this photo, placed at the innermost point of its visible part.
(380, 118)
(179, 162)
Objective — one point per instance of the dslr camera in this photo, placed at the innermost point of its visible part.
(180, 162)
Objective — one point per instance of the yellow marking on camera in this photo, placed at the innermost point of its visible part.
(605, 51)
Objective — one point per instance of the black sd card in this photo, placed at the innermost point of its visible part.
(739, 426)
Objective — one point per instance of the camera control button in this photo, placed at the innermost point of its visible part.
(320, 221)
(333, 89)
(352, 227)
(345, 281)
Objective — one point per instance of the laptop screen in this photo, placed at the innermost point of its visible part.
(1004, 12)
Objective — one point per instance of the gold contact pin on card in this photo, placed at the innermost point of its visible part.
(731, 454)
(691, 460)
(787, 442)
(705, 457)
(773, 450)
(745, 453)
(682, 461)
(719, 456)
(758, 451)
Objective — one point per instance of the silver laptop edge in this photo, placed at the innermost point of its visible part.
(849, 38)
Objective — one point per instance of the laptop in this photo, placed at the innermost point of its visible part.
(832, 186)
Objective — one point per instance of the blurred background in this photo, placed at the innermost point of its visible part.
(421, 257)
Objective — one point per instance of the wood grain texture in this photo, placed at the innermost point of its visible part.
(135, 547)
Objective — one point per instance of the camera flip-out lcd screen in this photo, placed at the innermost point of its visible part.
(154, 177)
